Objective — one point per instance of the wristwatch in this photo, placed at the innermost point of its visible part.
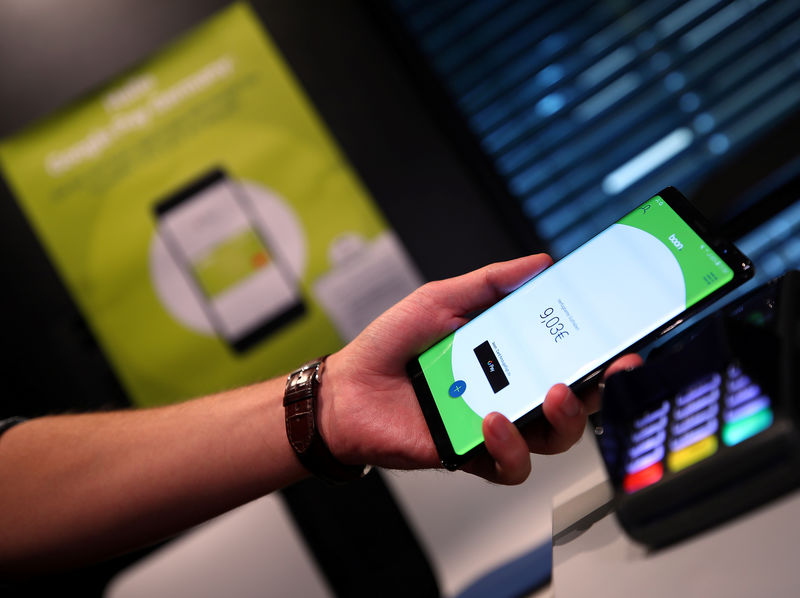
(300, 401)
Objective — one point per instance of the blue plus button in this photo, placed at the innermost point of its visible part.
(457, 388)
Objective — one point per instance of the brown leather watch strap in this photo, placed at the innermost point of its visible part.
(299, 401)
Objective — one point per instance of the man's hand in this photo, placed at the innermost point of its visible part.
(370, 414)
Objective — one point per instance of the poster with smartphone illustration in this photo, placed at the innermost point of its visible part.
(630, 280)
(204, 219)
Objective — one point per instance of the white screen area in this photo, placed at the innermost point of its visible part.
(204, 222)
(602, 309)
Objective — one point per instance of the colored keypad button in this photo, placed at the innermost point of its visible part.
(742, 429)
(692, 454)
(643, 478)
(693, 436)
(698, 390)
(649, 417)
(657, 454)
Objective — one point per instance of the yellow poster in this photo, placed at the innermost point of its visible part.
(203, 218)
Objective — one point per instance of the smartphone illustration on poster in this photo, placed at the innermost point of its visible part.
(242, 281)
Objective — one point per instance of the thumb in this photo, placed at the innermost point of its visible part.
(484, 287)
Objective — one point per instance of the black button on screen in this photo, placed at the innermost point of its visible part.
(491, 366)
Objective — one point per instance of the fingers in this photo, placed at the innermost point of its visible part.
(438, 308)
(509, 460)
(566, 415)
(564, 422)
(484, 287)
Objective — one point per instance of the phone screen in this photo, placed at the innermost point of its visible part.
(571, 319)
(242, 283)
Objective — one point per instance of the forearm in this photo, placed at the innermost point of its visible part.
(81, 487)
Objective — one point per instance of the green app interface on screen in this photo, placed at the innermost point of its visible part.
(594, 303)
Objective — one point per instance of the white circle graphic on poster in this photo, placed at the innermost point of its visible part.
(273, 219)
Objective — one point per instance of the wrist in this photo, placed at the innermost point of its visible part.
(330, 399)
(302, 404)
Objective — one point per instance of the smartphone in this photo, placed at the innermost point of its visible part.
(243, 284)
(631, 283)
